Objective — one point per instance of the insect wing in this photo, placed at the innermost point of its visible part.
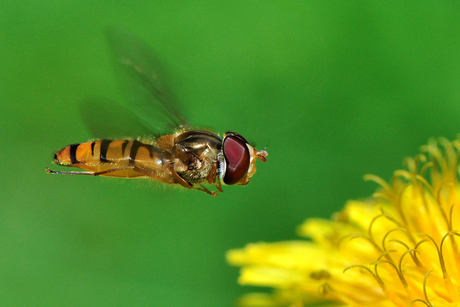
(143, 81)
(108, 119)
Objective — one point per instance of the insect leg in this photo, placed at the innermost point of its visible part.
(204, 189)
(218, 185)
(50, 171)
(213, 178)
(212, 173)
(187, 185)
(130, 167)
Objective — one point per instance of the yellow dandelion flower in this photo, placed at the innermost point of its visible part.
(398, 248)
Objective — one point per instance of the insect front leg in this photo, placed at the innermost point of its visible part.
(213, 178)
(187, 185)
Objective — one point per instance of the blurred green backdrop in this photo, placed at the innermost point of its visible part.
(339, 89)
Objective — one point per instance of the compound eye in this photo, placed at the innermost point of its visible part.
(237, 156)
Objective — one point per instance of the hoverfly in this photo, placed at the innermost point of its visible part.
(190, 158)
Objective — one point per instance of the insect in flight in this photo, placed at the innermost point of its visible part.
(190, 158)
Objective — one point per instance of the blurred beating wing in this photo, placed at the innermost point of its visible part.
(142, 77)
(108, 119)
(151, 107)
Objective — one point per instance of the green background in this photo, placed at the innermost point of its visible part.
(339, 89)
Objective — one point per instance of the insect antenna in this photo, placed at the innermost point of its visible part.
(262, 154)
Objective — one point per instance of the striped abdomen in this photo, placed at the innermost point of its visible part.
(103, 155)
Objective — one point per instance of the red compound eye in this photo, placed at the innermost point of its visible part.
(237, 156)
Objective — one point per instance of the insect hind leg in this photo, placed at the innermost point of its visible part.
(176, 176)
(105, 172)
(100, 173)
(50, 171)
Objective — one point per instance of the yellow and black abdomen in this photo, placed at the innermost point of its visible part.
(104, 155)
